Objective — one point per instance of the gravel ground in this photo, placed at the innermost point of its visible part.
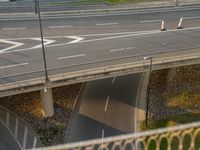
(172, 82)
(28, 106)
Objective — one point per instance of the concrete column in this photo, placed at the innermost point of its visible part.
(47, 102)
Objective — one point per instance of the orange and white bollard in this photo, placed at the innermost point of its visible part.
(179, 24)
(162, 26)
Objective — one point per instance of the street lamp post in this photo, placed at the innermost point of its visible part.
(37, 11)
(148, 90)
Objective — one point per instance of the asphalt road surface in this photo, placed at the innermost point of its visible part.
(98, 102)
(7, 142)
(77, 40)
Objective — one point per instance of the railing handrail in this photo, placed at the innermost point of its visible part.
(124, 137)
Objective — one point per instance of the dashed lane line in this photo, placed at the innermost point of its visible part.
(122, 49)
(22, 28)
(15, 65)
(107, 24)
(73, 56)
(150, 21)
(113, 81)
(106, 106)
(54, 27)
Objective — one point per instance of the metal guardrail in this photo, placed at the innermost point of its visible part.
(21, 132)
(183, 137)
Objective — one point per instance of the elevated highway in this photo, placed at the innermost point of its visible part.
(85, 48)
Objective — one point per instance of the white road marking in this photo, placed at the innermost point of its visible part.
(122, 49)
(15, 44)
(128, 48)
(73, 56)
(150, 21)
(114, 37)
(54, 27)
(106, 106)
(116, 50)
(190, 18)
(106, 24)
(9, 66)
(113, 81)
(22, 28)
(102, 136)
(77, 39)
(47, 41)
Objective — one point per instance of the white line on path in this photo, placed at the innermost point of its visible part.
(102, 136)
(22, 28)
(122, 49)
(106, 24)
(115, 50)
(113, 81)
(150, 21)
(53, 27)
(190, 18)
(9, 66)
(73, 56)
(106, 106)
(119, 35)
(47, 41)
(76, 39)
(15, 44)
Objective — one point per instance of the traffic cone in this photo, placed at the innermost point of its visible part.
(162, 26)
(179, 24)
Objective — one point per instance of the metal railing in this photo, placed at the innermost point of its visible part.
(178, 137)
(21, 131)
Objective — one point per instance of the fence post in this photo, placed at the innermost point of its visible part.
(7, 118)
(34, 142)
(25, 137)
(16, 126)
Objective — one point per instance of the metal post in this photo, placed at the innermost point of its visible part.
(37, 10)
(148, 90)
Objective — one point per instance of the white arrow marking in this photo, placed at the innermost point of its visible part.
(47, 42)
(15, 44)
(77, 39)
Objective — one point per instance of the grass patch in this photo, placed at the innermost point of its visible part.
(171, 121)
(183, 100)
(48, 136)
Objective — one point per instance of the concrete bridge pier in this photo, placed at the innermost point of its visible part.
(47, 102)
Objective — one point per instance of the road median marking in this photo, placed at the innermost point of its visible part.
(47, 42)
(15, 44)
(77, 39)
(72, 56)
